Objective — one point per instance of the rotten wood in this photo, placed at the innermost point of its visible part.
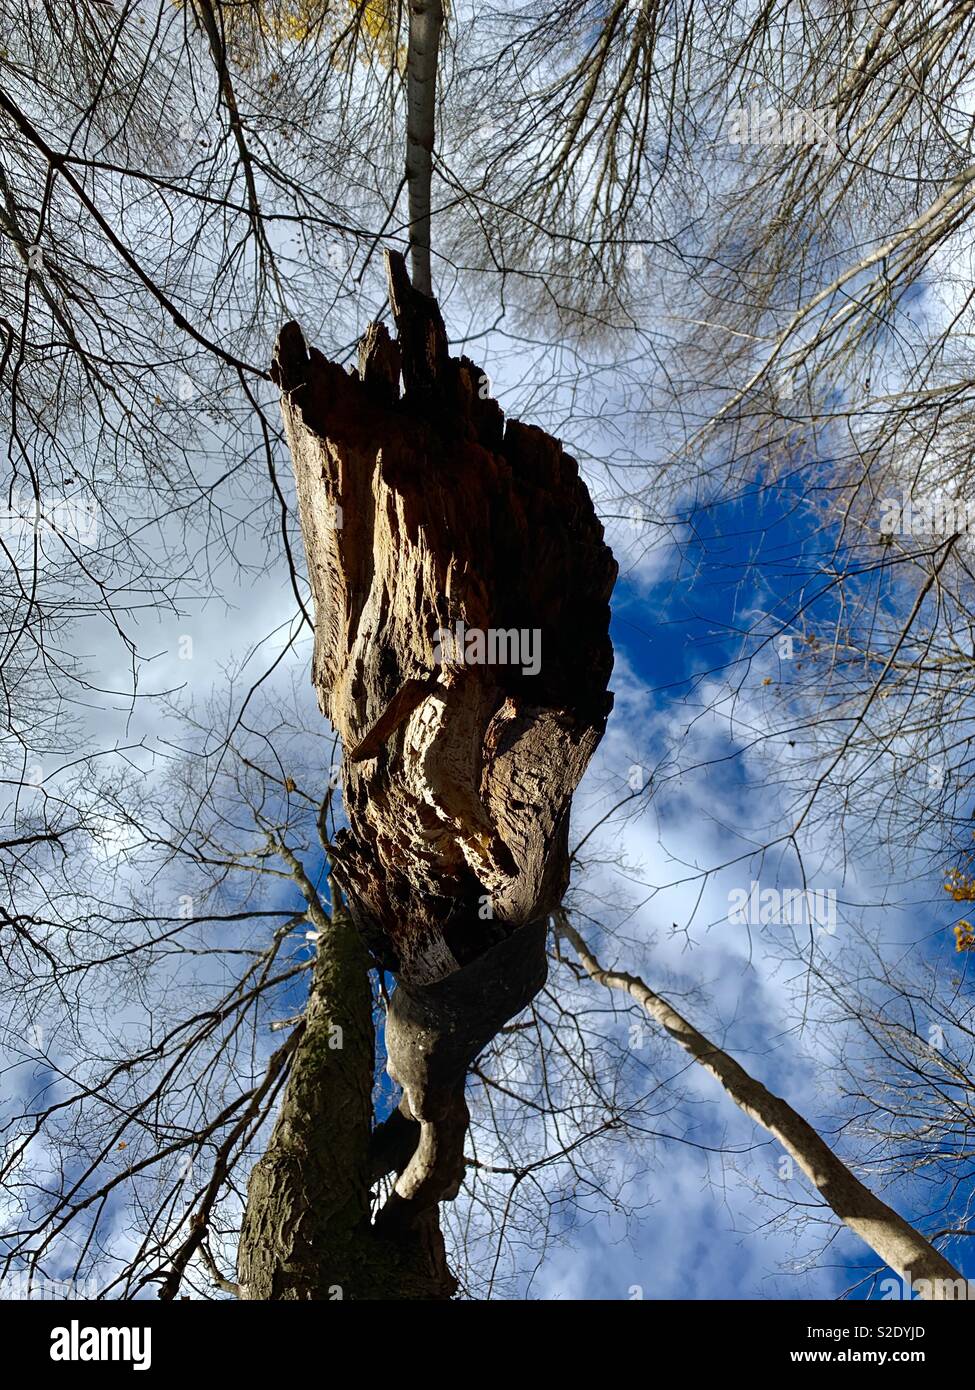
(424, 512)
(461, 587)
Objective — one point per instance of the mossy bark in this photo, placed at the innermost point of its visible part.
(307, 1232)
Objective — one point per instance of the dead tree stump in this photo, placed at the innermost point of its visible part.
(461, 586)
(426, 515)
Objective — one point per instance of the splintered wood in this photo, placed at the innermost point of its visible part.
(461, 588)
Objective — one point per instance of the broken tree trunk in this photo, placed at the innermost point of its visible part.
(461, 588)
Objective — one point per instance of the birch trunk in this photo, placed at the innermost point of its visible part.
(423, 49)
(896, 1242)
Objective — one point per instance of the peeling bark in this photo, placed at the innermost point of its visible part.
(458, 778)
(425, 514)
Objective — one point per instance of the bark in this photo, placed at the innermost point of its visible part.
(896, 1242)
(307, 1197)
(306, 1232)
(423, 49)
(421, 510)
(433, 1032)
(457, 777)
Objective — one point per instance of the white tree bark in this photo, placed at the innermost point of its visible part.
(896, 1242)
(423, 48)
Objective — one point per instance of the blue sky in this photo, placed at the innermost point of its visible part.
(710, 1214)
(759, 551)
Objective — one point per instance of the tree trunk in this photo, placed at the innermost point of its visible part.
(897, 1243)
(461, 588)
(423, 49)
